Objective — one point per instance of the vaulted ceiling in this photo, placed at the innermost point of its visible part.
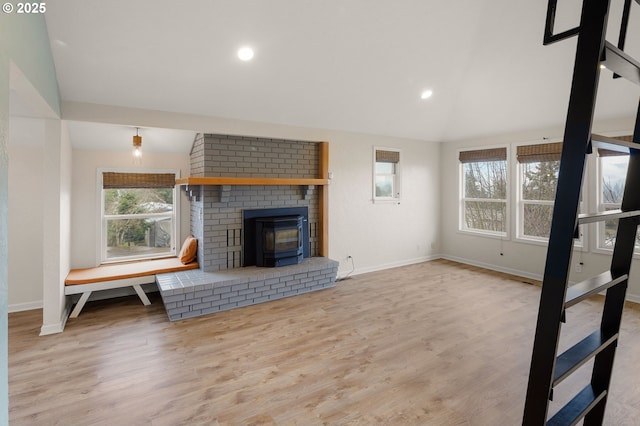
(355, 65)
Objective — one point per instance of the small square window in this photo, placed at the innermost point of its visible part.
(386, 170)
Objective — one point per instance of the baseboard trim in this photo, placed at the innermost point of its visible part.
(28, 306)
(58, 327)
(359, 271)
(491, 267)
(47, 329)
(633, 298)
(630, 297)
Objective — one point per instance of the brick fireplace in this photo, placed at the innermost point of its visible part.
(233, 174)
(216, 211)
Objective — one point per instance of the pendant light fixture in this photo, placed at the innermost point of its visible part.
(137, 148)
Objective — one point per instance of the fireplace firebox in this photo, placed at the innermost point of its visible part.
(279, 240)
(284, 226)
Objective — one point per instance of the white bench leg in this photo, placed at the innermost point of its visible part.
(80, 304)
(141, 294)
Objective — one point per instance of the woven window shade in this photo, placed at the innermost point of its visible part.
(387, 156)
(112, 180)
(602, 152)
(481, 155)
(539, 152)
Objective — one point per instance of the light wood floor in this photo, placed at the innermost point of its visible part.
(437, 343)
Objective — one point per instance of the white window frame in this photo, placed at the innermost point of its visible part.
(521, 202)
(102, 220)
(462, 223)
(396, 177)
(602, 206)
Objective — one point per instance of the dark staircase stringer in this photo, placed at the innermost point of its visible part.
(548, 368)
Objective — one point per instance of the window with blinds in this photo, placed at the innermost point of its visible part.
(386, 174)
(538, 167)
(612, 172)
(138, 215)
(484, 191)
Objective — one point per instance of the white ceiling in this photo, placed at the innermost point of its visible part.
(356, 65)
(110, 137)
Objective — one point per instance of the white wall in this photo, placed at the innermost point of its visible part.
(379, 236)
(56, 217)
(66, 180)
(376, 236)
(404, 233)
(23, 43)
(46, 129)
(521, 258)
(85, 211)
(25, 213)
(4, 238)
(29, 213)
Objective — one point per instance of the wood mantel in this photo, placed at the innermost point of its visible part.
(322, 182)
(249, 181)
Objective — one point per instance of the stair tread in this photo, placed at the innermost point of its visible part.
(591, 286)
(577, 408)
(613, 144)
(621, 63)
(607, 215)
(577, 355)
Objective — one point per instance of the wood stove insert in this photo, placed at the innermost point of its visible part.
(279, 241)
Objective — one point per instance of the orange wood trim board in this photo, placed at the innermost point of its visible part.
(249, 181)
(118, 271)
(323, 169)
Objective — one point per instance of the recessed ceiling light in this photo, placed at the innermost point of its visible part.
(426, 94)
(245, 53)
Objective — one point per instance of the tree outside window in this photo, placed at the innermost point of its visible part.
(386, 174)
(484, 190)
(538, 194)
(612, 172)
(538, 167)
(138, 216)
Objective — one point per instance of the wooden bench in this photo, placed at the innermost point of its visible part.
(130, 274)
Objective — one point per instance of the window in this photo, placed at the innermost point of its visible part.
(138, 215)
(612, 172)
(538, 167)
(483, 205)
(386, 172)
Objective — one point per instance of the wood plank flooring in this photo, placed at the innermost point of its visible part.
(437, 343)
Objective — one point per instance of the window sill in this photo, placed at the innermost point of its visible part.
(483, 234)
(386, 201)
(609, 252)
(600, 250)
(533, 241)
(122, 260)
(543, 242)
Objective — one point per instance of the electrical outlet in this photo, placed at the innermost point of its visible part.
(579, 267)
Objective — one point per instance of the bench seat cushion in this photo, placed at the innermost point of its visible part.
(117, 271)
